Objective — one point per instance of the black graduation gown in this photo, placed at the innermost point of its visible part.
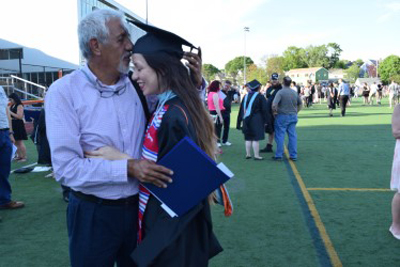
(181, 241)
(253, 126)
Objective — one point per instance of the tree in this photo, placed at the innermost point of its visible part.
(209, 71)
(275, 63)
(335, 51)
(316, 56)
(341, 64)
(396, 78)
(236, 65)
(389, 68)
(252, 73)
(359, 62)
(293, 58)
(353, 73)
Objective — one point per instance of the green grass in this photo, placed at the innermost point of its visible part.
(269, 226)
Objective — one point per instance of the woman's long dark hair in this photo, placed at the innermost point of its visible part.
(16, 99)
(172, 74)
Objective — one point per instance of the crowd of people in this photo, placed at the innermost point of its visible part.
(272, 111)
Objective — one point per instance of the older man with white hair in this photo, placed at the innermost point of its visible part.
(93, 107)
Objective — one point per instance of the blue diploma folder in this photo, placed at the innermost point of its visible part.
(195, 176)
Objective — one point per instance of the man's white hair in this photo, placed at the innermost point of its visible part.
(94, 26)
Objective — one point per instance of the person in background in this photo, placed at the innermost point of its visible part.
(269, 128)
(379, 94)
(253, 115)
(372, 93)
(395, 176)
(319, 91)
(227, 94)
(306, 95)
(293, 86)
(332, 96)
(286, 105)
(6, 141)
(39, 138)
(312, 94)
(393, 91)
(17, 117)
(216, 106)
(365, 93)
(344, 96)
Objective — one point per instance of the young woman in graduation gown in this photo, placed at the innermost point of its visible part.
(187, 240)
(253, 115)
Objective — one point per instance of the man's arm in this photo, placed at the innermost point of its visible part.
(275, 103)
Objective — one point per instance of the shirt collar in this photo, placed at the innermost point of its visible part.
(91, 77)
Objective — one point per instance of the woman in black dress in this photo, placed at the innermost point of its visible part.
(365, 93)
(332, 96)
(187, 240)
(17, 116)
(253, 114)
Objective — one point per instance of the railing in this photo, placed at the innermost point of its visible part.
(30, 89)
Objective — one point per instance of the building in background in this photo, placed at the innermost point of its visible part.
(302, 76)
(336, 74)
(369, 69)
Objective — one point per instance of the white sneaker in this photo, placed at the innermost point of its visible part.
(219, 144)
(227, 144)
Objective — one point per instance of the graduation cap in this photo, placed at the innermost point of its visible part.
(253, 85)
(159, 40)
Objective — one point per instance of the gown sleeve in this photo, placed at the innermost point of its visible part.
(240, 116)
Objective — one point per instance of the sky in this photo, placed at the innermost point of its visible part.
(366, 29)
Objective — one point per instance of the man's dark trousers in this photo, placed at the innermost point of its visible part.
(226, 116)
(343, 102)
(100, 235)
(5, 166)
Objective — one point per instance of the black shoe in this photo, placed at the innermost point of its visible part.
(260, 158)
(267, 149)
(277, 159)
(293, 159)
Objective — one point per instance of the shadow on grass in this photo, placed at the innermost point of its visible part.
(336, 114)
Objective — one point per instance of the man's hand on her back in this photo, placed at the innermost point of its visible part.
(147, 171)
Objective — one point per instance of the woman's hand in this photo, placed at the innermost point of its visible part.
(107, 152)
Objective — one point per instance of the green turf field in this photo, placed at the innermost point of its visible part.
(331, 207)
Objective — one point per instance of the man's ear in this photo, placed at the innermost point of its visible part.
(95, 47)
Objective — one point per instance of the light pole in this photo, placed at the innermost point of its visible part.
(147, 12)
(246, 29)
